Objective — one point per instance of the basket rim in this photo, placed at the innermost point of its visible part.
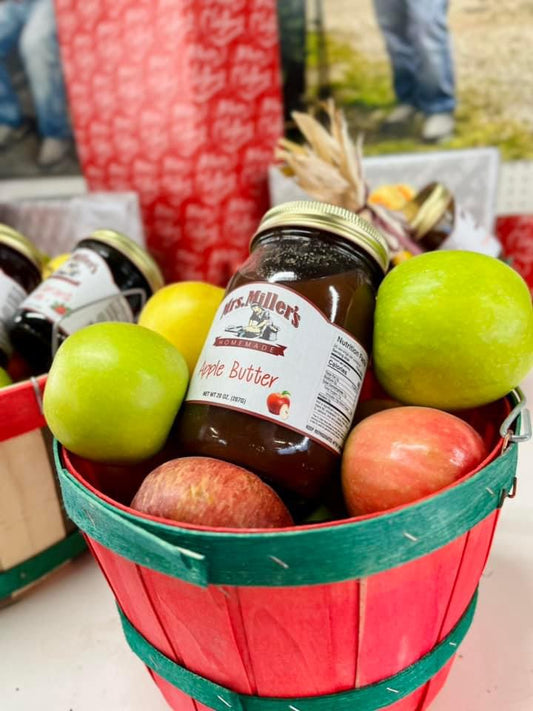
(315, 554)
(321, 554)
(167, 524)
(27, 384)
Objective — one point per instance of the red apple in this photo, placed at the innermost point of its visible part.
(400, 455)
(279, 404)
(210, 492)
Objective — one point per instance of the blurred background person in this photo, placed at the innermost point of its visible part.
(292, 37)
(29, 26)
(419, 46)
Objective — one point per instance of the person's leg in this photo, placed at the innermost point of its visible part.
(292, 34)
(430, 38)
(11, 23)
(392, 20)
(40, 53)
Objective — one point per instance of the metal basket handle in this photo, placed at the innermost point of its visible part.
(137, 291)
(519, 410)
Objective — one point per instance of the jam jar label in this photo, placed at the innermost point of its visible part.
(470, 236)
(271, 353)
(73, 294)
(11, 294)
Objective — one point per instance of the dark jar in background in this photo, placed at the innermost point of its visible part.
(86, 289)
(276, 385)
(439, 222)
(20, 273)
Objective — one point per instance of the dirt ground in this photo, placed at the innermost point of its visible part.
(492, 42)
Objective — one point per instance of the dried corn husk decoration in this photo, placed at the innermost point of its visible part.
(329, 167)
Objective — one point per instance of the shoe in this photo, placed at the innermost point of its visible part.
(401, 114)
(52, 151)
(438, 127)
(11, 134)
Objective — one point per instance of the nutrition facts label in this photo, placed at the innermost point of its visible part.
(339, 390)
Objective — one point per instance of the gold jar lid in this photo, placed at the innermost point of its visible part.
(139, 256)
(16, 241)
(330, 218)
(427, 208)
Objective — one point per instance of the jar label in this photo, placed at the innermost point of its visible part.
(271, 353)
(470, 236)
(11, 295)
(74, 292)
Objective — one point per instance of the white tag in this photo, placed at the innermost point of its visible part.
(270, 352)
(11, 295)
(469, 236)
(74, 291)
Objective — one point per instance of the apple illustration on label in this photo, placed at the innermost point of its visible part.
(279, 404)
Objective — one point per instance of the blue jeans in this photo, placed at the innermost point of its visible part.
(418, 42)
(30, 26)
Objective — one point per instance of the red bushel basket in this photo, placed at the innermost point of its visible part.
(365, 613)
(35, 535)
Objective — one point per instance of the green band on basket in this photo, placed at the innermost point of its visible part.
(367, 698)
(29, 571)
(317, 555)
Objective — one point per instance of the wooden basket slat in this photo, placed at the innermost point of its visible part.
(31, 517)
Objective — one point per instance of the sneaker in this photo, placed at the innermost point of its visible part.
(11, 134)
(438, 127)
(401, 114)
(52, 151)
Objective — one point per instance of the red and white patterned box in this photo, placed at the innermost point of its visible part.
(515, 232)
(179, 100)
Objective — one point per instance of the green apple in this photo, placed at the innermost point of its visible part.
(453, 330)
(113, 392)
(4, 378)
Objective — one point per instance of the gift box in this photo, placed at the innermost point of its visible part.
(179, 101)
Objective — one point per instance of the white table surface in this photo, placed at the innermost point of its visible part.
(61, 647)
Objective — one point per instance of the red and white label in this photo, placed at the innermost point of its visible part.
(79, 293)
(11, 295)
(271, 353)
(470, 236)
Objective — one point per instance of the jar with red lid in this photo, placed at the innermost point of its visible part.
(277, 383)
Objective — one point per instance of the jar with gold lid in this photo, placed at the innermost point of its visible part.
(20, 273)
(93, 285)
(439, 222)
(277, 383)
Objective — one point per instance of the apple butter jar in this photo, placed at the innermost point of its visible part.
(20, 273)
(276, 385)
(87, 288)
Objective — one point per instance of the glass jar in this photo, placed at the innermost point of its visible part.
(277, 383)
(86, 289)
(20, 273)
(438, 222)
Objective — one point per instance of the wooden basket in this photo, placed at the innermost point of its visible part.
(360, 614)
(35, 535)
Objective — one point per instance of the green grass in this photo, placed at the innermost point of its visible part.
(363, 88)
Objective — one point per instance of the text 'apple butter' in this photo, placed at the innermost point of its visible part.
(276, 385)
